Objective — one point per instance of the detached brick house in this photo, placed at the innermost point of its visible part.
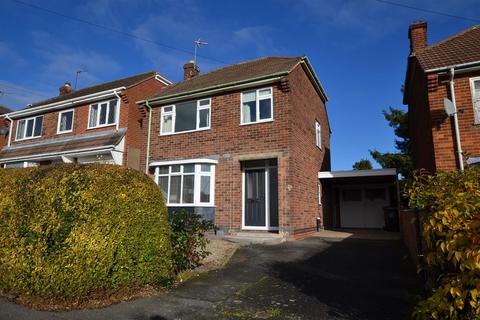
(101, 123)
(243, 144)
(432, 72)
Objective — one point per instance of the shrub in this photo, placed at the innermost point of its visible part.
(451, 234)
(188, 239)
(69, 230)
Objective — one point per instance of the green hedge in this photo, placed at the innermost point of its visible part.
(451, 233)
(69, 230)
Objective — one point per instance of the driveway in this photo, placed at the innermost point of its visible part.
(316, 278)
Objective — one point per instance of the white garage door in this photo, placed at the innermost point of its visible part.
(362, 206)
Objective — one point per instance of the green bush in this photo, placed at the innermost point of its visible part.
(188, 239)
(451, 234)
(69, 230)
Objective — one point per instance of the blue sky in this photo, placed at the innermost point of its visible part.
(357, 47)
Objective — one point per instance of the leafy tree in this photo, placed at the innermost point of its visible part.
(397, 119)
(363, 164)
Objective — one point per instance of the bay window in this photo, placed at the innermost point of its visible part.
(185, 117)
(189, 184)
(257, 106)
(29, 128)
(103, 114)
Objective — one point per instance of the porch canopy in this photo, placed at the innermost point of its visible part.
(360, 198)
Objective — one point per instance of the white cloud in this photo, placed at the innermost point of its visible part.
(257, 38)
(9, 55)
(17, 96)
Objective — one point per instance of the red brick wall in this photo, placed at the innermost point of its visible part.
(232, 143)
(420, 121)
(443, 130)
(136, 119)
(306, 159)
(4, 138)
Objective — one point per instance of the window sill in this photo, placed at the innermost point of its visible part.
(64, 132)
(26, 139)
(256, 122)
(189, 131)
(206, 205)
(102, 126)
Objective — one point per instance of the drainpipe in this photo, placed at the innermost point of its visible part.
(10, 131)
(118, 108)
(455, 121)
(147, 159)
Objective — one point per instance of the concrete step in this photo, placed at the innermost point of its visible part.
(248, 238)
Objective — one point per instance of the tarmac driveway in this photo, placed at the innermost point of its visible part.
(310, 279)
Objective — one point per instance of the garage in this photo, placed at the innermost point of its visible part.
(360, 199)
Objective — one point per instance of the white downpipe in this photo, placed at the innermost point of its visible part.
(147, 158)
(455, 121)
(11, 128)
(119, 102)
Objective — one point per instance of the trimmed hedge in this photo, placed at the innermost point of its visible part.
(451, 233)
(69, 230)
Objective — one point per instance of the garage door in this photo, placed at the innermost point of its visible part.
(362, 206)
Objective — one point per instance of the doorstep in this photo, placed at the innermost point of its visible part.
(245, 238)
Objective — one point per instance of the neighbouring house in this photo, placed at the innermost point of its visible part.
(101, 124)
(432, 72)
(243, 145)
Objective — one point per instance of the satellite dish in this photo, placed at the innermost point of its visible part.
(449, 107)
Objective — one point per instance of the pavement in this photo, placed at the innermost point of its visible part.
(315, 278)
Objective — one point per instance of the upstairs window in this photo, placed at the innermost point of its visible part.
(103, 114)
(476, 98)
(65, 121)
(318, 135)
(29, 128)
(185, 117)
(257, 106)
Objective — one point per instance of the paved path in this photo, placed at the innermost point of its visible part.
(314, 278)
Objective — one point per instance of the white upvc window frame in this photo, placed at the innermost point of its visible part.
(173, 113)
(198, 174)
(318, 135)
(99, 103)
(34, 118)
(257, 106)
(476, 111)
(60, 119)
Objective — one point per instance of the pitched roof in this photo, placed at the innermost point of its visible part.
(63, 145)
(233, 73)
(461, 48)
(4, 109)
(125, 82)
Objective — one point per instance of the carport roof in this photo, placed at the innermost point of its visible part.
(357, 173)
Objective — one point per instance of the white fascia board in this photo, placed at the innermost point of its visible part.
(357, 173)
(163, 80)
(455, 66)
(184, 161)
(63, 103)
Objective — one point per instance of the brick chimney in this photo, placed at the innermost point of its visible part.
(65, 89)
(190, 70)
(417, 33)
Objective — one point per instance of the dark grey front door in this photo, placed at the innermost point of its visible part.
(255, 198)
